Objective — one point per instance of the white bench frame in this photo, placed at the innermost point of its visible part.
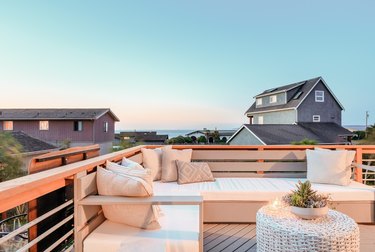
(89, 215)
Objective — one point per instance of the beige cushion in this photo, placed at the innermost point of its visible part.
(140, 216)
(152, 159)
(327, 167)
(127, 182)
(169, 168)
(123, 183)
(350, 155)
(193, 172)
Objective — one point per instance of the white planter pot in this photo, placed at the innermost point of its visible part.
(309, 213)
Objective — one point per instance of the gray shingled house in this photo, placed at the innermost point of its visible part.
(79, 127)
(31, 147)
(285, 114)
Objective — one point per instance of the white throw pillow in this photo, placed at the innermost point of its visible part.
(152, 159)
(130, 163)
(326, 167)
(169, 167)
(350, 154)
(123, 184)
(137, 171)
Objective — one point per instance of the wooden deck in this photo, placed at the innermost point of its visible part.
(242, 237)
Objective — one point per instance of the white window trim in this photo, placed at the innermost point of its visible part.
(319, 97)
(316, 116)
(8, 127)
(273, 99)
(260, 120)
(79, 126)
(106, 126)
(42, 125)
(259, 101)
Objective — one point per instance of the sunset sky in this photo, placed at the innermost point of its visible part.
(183, 64)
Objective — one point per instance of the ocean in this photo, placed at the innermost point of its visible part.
(170, 133)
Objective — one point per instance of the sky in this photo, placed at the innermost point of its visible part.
(183, 64)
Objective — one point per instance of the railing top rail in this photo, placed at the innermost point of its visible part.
(34, 183)
(67, 152)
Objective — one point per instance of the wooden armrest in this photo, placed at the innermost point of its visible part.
(366, 167)
(156, 200)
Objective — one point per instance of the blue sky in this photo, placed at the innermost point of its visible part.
(183, 64)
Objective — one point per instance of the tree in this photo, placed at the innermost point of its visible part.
(370, 139)
(216, 136)
(202, 139)
(10, 158)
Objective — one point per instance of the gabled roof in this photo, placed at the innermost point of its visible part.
(31, 144)
(276, 134)
(305, 87)
(280, 89)
(55, 114)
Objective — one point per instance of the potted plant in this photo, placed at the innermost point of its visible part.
(307, 203)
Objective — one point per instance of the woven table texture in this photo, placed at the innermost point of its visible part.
(281, 230)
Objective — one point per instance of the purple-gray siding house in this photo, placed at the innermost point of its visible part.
(306, 109)
(78, 127)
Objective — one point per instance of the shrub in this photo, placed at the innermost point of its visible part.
(202, 139)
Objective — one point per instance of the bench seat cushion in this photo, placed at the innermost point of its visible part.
(179, 232)
(261, 189)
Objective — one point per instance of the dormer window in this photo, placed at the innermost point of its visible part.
(273, 99)
(319, 96)
(316, 118)
(259, 101)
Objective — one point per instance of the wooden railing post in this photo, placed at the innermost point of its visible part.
(358, 160)
(260, 160)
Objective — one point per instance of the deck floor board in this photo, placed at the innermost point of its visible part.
(242, 237)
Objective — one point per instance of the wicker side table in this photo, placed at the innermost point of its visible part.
(281, 230)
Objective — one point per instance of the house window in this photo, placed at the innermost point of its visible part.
(319, 96)
(43, 125)
(273, 99)
(316, 118)
(259, 101)
(260, 119)
(8, 125)
(105, 126)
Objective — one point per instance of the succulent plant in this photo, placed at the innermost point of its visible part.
(304, 196)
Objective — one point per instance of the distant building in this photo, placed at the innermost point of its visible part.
(31, 147)
(279, 134)
(306, 101)
(224, 135)
(147, 137)
(73, 127)
(291, 113)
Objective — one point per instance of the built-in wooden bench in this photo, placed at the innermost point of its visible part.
(236, 165)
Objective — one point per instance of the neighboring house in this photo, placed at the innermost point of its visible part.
(31, 147)
(224, 135)
(72, 127)
(306, 101)
(278, 134)
(292, 113)
(147, 137)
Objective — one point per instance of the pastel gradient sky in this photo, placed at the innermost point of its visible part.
(183, 64)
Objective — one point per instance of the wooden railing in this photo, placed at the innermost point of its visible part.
(25, 189)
